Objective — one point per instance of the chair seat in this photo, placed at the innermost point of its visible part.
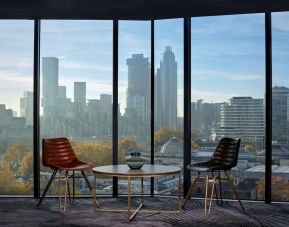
(75, 166)
(203, 167)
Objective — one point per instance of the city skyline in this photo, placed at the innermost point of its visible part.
(71, 54)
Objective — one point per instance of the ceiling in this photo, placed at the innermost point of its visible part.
(133, 9)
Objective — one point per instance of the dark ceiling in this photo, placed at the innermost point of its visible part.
(133, 9)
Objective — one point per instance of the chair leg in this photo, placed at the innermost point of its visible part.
(73, 186)
(235, 190)
(212, 192)
(206, 193)
(65, 194)
(68, 189)
(220, 186)
(90, 188)
(215, 188)
(47, 187)
(190, 190)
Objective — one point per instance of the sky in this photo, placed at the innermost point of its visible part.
(228, 55)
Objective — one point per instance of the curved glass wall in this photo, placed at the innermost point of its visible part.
(228, 71)
(16, 107)
(228, 89)
(76, 93)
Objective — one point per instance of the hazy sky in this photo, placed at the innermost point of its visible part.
(228, 55)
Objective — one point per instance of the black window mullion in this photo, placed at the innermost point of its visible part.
(36, 110)
(268, 160)
(115, 105)
(152, 99)
(187, 105)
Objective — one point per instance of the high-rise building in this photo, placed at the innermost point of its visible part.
(167, 77)
(243, 117)
(280, 115)
(26, 107)
(49, 78)
(197, 116)
(62, 92)
(80, 96)
(106, 103)
(138, 91)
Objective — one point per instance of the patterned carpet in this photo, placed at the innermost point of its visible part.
(23, 212)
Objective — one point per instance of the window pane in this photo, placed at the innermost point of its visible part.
(280, 107)
(228, 63)
(76, 92)
(16, 107)
(168, 100)
(134, 96)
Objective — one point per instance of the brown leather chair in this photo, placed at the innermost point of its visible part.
(58, 154)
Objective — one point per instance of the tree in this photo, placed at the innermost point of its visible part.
(98, 153)
(13, 156)
(26, 166)
(280, 189)
(250, 148)
(8, 183)
(165, 134)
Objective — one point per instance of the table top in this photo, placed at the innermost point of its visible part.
(146, 171)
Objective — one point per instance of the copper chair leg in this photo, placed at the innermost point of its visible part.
(234, 190)
(215, 189)
(47, 187)
(190, 190)
(90, 188)
(206, 193)
(212, 192)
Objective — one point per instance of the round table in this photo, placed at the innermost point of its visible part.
(146, 171)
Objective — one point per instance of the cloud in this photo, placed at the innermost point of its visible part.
(230, 76)
(211, 96)
(85, 66)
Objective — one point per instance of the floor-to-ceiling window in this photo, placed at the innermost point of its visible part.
(168, 100)
(16, 107)
(280, 107)
(134, 95)
(228, 89)
(76, 92)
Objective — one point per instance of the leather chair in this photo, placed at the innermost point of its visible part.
(224, 159)
(59, 155)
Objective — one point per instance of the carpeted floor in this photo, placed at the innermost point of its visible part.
(23, 212)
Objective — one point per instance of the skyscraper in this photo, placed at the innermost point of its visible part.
(280, 115)
(197, 116)
(49, 84)
(80, 96)
(138, 91)
(168, 85)
(49, 77)
(243, 117)
(26, 107)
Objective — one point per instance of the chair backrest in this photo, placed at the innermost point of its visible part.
(226, 153)
(57, 152)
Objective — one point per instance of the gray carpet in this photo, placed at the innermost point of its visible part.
(23, 212)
